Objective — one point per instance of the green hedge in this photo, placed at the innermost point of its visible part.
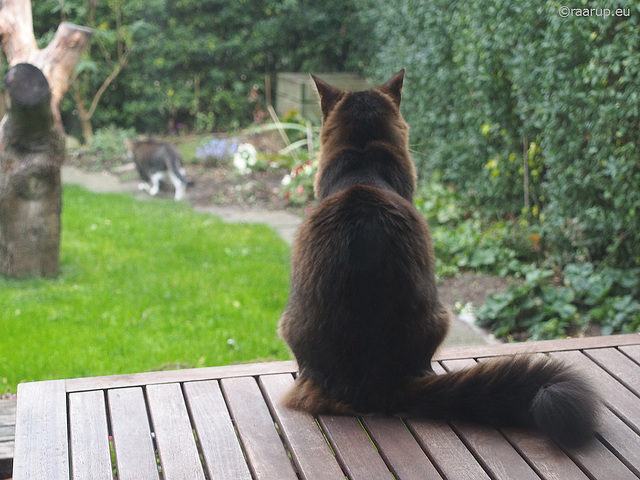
(493, 84)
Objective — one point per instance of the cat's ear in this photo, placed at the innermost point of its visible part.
(329, 95)
(394, 87)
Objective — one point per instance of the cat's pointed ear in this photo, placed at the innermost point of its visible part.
(329, 95)
(394, 87)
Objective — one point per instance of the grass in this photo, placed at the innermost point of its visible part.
(144, 285)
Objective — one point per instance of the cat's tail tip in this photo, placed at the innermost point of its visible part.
(567, 410)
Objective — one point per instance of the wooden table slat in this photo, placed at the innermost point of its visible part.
(625, 370)
(308, 447)
(135, 453)
(399, 449)
(632, 351)
(179, 456)
(543, 346)
(266, 453)
(353, 447)
(600, 462)
(42, 444)
(89, 436)
(218, 441)
(544, 456)
(444, 447)
(621, 440)
(494, 452)
(616, 395)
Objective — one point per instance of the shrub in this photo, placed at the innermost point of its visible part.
(543, 307)
(105, 149)
(507, 98)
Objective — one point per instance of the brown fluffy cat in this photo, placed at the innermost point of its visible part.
(364, 318)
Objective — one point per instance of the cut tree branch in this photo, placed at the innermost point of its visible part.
(57, 61)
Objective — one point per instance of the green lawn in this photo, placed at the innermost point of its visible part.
(144, 285)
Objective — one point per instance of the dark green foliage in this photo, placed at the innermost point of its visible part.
(541, 307)
(493, 84)
(200, 64)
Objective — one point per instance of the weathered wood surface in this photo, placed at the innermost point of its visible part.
(227, 422)
(7, 435)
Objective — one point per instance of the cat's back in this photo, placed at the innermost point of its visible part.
(362, 231)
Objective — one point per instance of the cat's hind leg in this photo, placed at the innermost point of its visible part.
(179, 186)
(155, 183)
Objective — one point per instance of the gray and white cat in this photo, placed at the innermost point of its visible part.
(155, 162)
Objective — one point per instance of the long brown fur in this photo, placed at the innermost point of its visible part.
(364, 318)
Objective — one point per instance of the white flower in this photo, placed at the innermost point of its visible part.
(245, 157)
(286, 180)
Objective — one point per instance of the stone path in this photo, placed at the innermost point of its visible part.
(463, 330)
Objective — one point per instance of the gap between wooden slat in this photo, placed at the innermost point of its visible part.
(179, 456)
(264, 447)
(112, 447)
(135, 452)
(305, 440)
(618, 365)
(218, 439)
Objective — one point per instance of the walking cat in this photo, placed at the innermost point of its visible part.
(364, 319)
(156, 162)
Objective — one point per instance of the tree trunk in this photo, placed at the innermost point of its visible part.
(30, 186)
(32, 145)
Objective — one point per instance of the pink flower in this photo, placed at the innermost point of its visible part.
(300, 189)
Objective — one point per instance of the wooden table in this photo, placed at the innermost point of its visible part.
(226, 422)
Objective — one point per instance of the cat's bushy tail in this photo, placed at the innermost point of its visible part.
(521, 391)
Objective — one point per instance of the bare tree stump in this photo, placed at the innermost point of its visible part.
(57, 61)
(30, 185)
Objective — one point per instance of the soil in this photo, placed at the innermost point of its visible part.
(472, 288)
(220, 186)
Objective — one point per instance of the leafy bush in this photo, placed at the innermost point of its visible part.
(542, 307)
(509, 98)
(201, 63)
(463, 241)
(105, 149)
